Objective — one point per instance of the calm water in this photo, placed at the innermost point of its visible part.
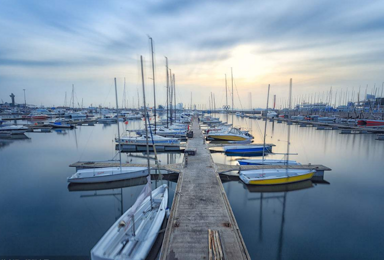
(339, 220)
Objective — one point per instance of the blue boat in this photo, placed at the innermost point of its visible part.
(267, 162)
(247, 149)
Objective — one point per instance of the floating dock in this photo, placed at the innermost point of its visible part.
(201, 208)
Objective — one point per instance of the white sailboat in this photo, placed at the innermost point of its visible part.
(109, 173)
(155, 139)
(133, 234)
(13, 129)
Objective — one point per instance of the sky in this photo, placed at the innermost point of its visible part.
(48, 46)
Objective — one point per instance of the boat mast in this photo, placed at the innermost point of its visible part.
(154, 86)
(174, 94)
(138, 100)
(226, 94)
(146, 125)
(289, 119)
(123, 104)
(73, 96)
(166, 69)
(118, 127)
(232, 94)
(266, 120)
(171, 96)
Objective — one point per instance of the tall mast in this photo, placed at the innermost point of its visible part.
(191, 101)
(226, 93)
(289, 118)
(232, 94)
(266, 120)
(214, 102)
(154, 86)
(73, 96)
(174, 94)
(118, 127)
(166, 68)
(124, 97)
(250, 100)
(171, 96)
(138, 100)
(146, 125)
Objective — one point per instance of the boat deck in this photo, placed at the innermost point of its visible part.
(200, 204)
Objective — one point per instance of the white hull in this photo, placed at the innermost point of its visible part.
(119, 242)
(13, 129)
(107, 174)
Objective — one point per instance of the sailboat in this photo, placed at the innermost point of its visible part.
(264, 161)
(109, 173)
(267, 162)
(133, 234)
(233, 134)
(247, 149)
(276, 175)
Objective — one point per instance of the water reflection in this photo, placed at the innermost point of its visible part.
(280, 188)
(277, 193)
(107, 185)
(7, 140)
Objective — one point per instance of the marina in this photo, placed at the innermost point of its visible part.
(214, 130)
(224, 167)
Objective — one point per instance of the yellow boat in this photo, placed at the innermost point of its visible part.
(233, 134)
(275, 176)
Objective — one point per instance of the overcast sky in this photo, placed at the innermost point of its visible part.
(46, 46)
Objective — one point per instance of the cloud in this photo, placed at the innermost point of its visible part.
(322, 42)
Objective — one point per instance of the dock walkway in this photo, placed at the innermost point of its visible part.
(200, 204)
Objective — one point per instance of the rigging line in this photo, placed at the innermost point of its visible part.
(237, 91)
(86, 143)
(109, 91)
(259, 129)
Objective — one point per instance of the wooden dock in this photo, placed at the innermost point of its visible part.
(200, 207)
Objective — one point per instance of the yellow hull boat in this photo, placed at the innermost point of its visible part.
(275, 176)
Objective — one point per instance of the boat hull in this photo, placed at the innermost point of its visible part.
(267, 162)
(106, 175)
(371, 122)
(227, 138)
(255, 150)
(258, 177)
(40, 117)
